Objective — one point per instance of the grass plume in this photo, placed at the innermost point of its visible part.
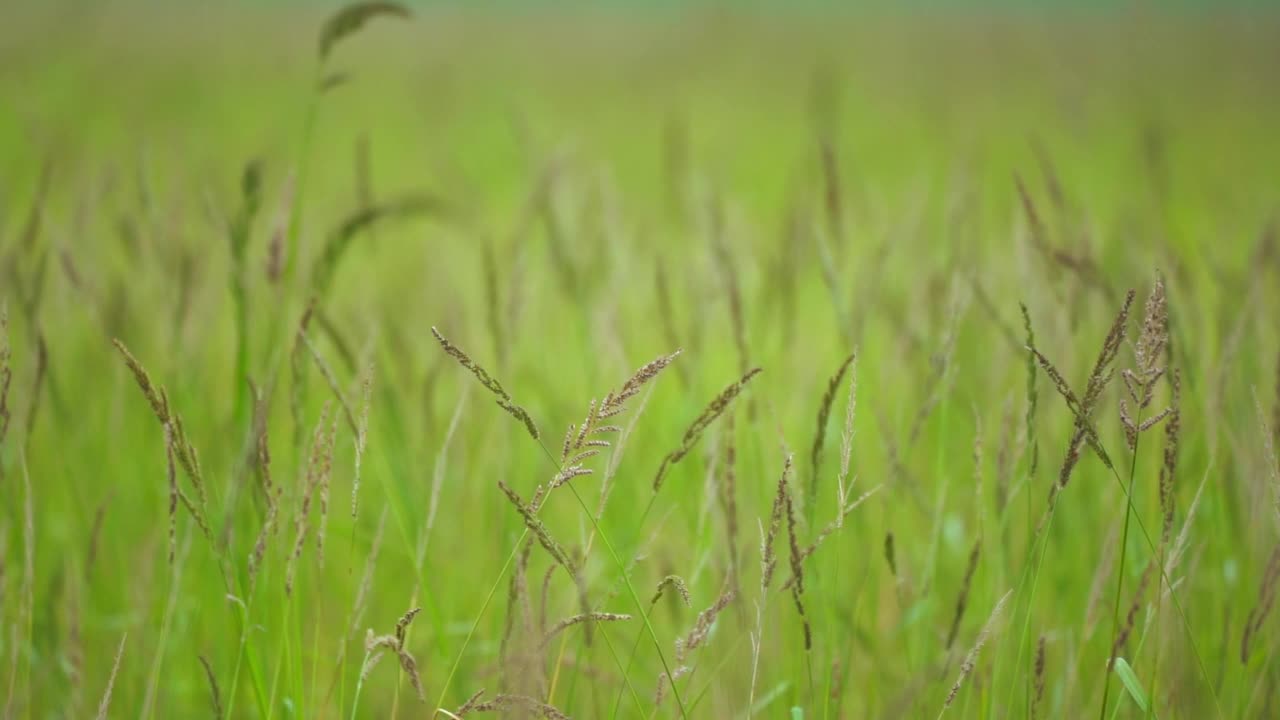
(962, 600)
(489, 382)
(971, 659)
(820, 433)
(376, 645)
(694, 432)
(1262, 606)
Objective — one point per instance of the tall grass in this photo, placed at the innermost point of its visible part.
(182, 397)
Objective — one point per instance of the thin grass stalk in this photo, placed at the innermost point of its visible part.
(105, 704)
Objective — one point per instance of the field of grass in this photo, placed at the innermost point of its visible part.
(260, 301)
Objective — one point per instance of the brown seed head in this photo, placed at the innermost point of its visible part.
(700, 423)
(489, 382)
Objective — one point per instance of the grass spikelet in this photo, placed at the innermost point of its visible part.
(797, 572)
(1033, 396)
(105, 704)
(1081, 265)
(675, 583)
(506, 703)
(273, 496)
(489, 382)
(172, 475)
(1149, 352)
(700, 423)
(820, 433)
(1050, 175)
(301, 522)
(539, 530)
(941, 371)
(831, 528)
(1102, 370)
(728, 497)
(518, 593)
(177, 447)
(696, 638)
(268, 529)
(553, 548)
(469, 705)
(215, 697)
(340, 238)
(1122, 635)
(846, 437)
(962, 600)
(331, 380)
(1038, 234)
(37, 384)
(374, 646)
(350, 19)
(1084, 405)
(298, 369)
(890, 555)
(702, 626)
(1169, 468)
(158, 404)
(323, 468)
(1262, 607)
(402, 625)
(971, 659)
(276, 249)
(585, 441)
(591, 617)
(768, 556)
(543, 596)
(1039, 680)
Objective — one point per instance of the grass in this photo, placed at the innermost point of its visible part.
(925, 229)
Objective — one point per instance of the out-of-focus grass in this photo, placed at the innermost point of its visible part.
(1160, 130)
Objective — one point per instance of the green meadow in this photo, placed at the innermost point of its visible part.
(638, 363)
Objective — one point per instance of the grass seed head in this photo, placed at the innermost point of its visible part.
(675, 583)
(768, 556)
(962, 600)
(971, 659)
(700, 423)
(820, 433)
(1169, 468)
(1122, 636)
(1262, 606)
(1039, 681)
(489, 382)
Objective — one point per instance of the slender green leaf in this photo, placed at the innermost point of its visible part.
(1130, 680)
